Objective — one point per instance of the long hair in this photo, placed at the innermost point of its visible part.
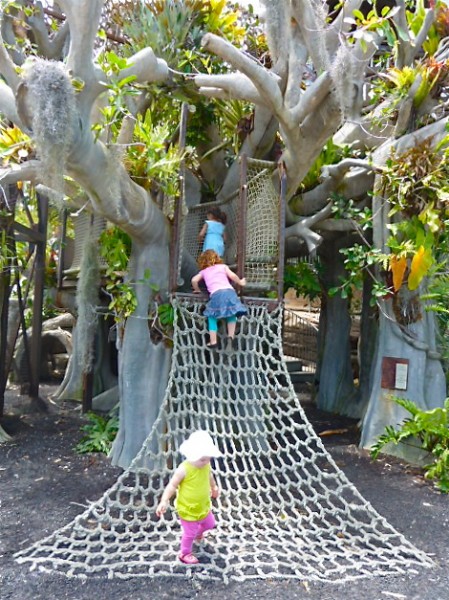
(209, 258)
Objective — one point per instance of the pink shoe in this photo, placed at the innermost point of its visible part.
(188, 559)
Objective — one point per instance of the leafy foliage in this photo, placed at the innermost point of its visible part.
(437, 301)
(100, 433)
(416, 190)
(431, 428)
(151, 160)
(359, 262)
(15, 146)
(174, 29)
(417, 180)
(115, 249)
(6, 253)
(303, 278)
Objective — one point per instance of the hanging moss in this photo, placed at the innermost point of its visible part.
(53, 100)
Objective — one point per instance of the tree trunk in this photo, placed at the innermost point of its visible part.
(425, 384)
(144, 365)
(406, 332)
(336, 382)
(366, 347)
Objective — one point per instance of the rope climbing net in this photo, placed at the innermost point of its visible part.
(252, 228)
(286, 510)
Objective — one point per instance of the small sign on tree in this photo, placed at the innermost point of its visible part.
(394, 373)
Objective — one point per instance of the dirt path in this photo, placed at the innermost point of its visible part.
(44, 484)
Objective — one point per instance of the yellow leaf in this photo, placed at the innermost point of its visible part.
(398, 266)
(419, 267)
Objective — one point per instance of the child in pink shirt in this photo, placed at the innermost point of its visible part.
(223, 301)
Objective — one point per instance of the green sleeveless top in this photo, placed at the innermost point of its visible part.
(193, 501)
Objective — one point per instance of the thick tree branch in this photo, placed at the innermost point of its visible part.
(256, 145)
(340, 25)
(406, 108)
(83, 17)
(9, 29)
(7, 67)
(145, 67)
(49, 48)
(339, 170)
(233, 85)
(297, 58)
(303, 228)
(266, 82)
(127, 128)
(408, 49)
(310, 100)
(276, 18)
(312, 29)
(8, 105)
(436, 132)
(353, 179)
(28, 171)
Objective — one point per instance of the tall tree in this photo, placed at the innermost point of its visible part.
(316, 83)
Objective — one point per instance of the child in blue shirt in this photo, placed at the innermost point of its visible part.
(213, 231)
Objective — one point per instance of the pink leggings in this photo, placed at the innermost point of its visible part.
(194, 529)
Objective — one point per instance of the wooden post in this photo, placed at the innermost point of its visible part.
(39, 279)
(241, 229)
(5, 291)
(175, 245)
(7, 223)
(281, 235)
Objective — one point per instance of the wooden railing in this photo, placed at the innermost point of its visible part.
(300, 340)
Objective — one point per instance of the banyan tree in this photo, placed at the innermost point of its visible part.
(338, 97)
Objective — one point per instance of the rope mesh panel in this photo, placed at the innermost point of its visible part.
(86, 226)
(261, 231)
(285, 511)
(262, 227)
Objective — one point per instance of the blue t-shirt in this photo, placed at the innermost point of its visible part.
(214, 237)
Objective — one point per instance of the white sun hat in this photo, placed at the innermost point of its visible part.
(199, 444)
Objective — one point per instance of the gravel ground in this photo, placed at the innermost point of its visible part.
(44, 484)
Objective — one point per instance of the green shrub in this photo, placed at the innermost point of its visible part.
(303, 278)
(100, 433)
(431, 428)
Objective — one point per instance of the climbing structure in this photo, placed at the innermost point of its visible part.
(285, 511)
(254, 228)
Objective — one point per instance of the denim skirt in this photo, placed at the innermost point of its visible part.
(224, 303)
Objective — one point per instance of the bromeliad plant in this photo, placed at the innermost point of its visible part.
(415, 186)
(431, 429)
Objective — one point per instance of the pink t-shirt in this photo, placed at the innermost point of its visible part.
(216, 279)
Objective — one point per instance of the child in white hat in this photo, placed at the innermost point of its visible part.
(195, 485)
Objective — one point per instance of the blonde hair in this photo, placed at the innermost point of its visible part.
(209, 258)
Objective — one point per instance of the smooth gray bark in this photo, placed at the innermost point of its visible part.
(336, 380)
